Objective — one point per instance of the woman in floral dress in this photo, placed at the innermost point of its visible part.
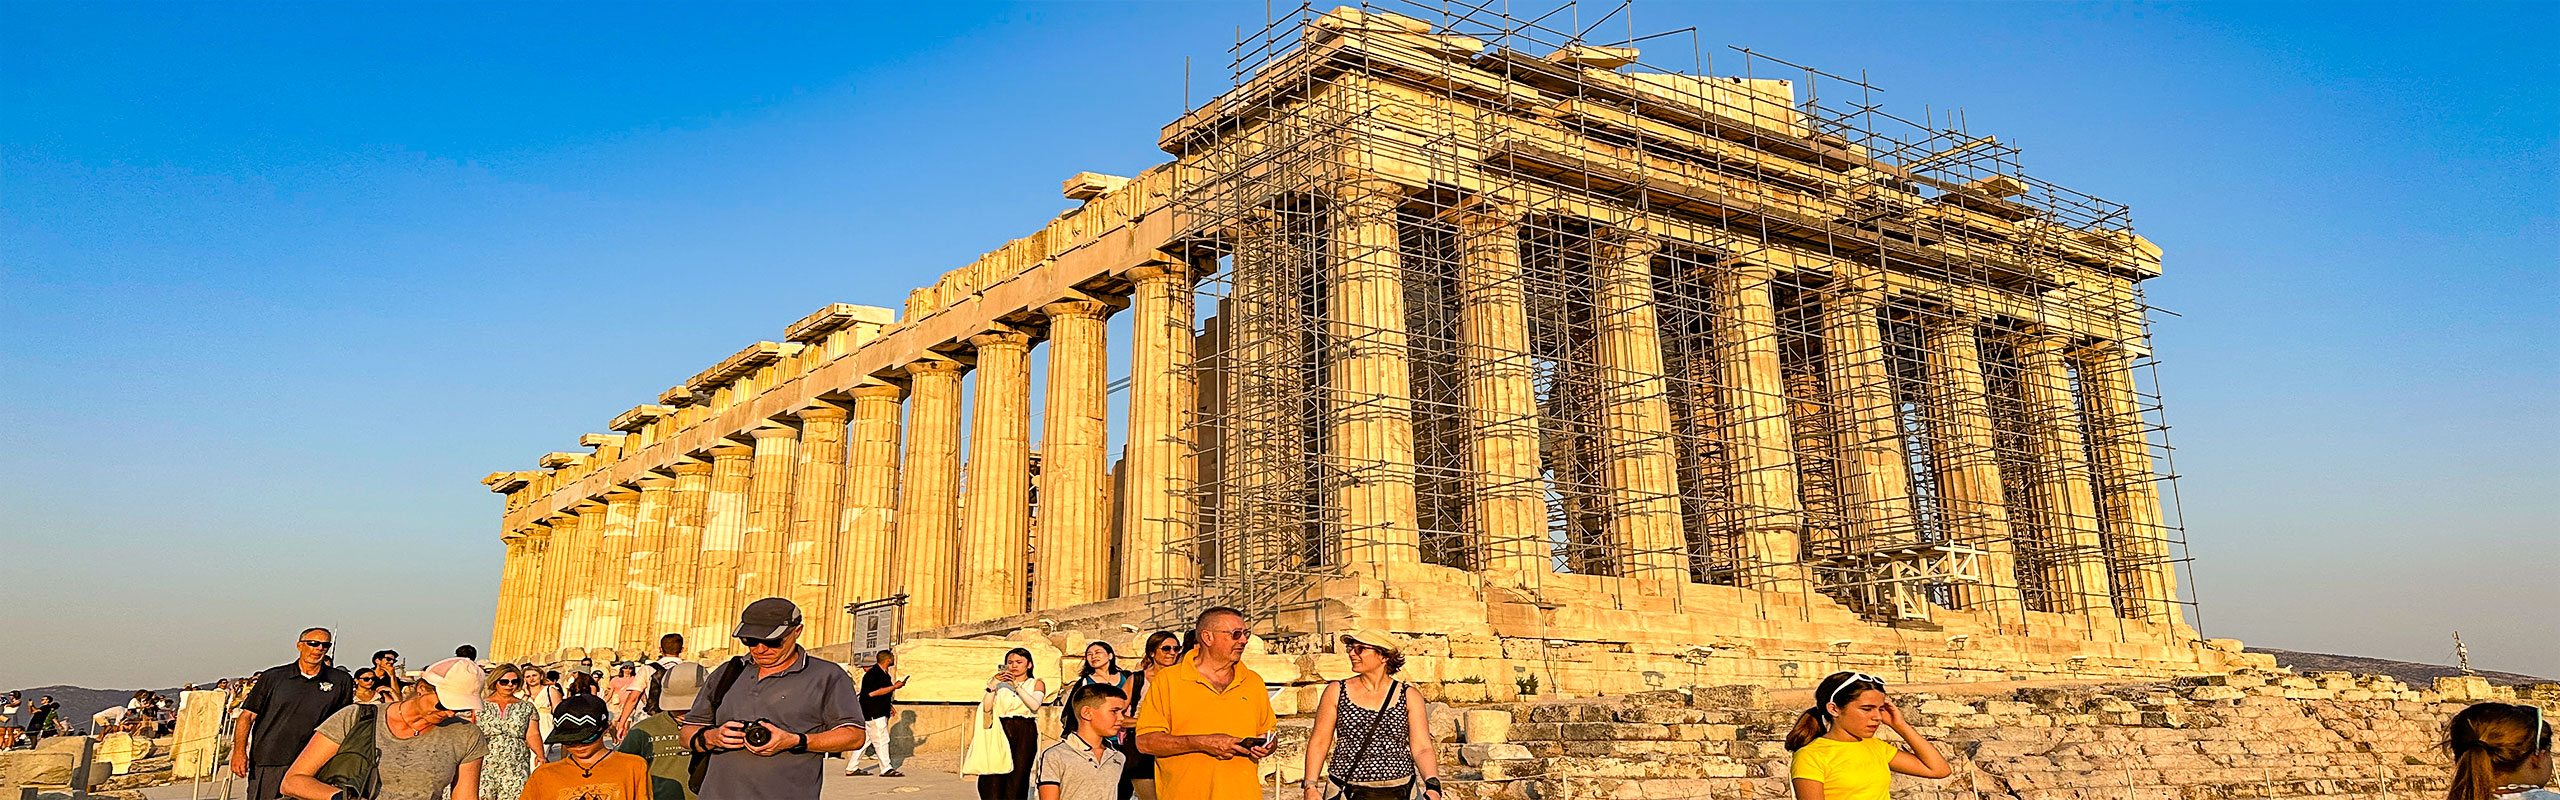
(507, 720)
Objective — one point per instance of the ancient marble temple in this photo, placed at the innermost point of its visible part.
(1567, 367)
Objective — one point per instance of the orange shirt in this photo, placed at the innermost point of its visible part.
(620, 776)
(1242, 710)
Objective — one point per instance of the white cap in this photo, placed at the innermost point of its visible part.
(457, 681)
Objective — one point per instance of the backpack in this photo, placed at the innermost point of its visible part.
(354, 769)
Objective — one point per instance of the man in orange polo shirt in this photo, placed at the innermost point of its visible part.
(1207, 720)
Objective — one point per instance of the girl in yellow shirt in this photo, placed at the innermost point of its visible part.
(1837, 754)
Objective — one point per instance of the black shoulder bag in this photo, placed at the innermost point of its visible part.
(701, 764)
(353, 771)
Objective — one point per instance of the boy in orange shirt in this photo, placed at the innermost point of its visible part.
(592, 770)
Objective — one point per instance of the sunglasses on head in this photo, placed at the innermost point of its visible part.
(1855, 678)
(755, 642)
(316, 643)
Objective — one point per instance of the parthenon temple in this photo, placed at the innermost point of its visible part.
(1461, 326)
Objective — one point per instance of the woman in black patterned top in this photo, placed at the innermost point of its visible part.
(1372, 740)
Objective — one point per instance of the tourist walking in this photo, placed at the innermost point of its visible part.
(2501, 751)
(622, 696)
(658, 737)
(515, 744)
(1138, 778)
(769, 717)
(284, 705)
(424, 748)
(589, 768)
(1206, 719)
(879, 708)
(1371, 740)
(1101, 668)
(585, 683)
(1013, 697)
(1837, 754)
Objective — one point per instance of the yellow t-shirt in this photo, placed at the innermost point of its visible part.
(1860, 770)
(620, 776)
(1242, 710)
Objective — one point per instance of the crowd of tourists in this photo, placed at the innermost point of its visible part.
(1187, 721)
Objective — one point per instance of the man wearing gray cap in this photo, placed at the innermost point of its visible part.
(658, 737)
(768, 718)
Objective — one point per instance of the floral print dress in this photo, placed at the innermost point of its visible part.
(510, 760)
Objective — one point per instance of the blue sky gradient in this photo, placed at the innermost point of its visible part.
(279, 282)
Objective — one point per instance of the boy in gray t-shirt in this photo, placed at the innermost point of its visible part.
(1084, 766)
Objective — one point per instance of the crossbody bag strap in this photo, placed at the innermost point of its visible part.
(1344, 686)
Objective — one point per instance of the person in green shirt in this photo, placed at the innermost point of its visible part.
(657, 737)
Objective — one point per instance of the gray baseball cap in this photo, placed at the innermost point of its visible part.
(768, 618)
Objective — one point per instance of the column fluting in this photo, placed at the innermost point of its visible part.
(871, 497)
(809, 558)
(1759, 436)
(1639, 466)
(724, 541)
(1075, 502)
(928, 538)
(995, 543)
(1369, 386)
(1507, 506)
(644, 574)
(1156, 549)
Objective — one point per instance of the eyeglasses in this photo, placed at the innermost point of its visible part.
(319, 643)
(509, 682)
(764, 643)
(1237, 634)
(1168, 648)
(1855, 678)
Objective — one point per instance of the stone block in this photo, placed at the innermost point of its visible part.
(1480, 753)
(1944, 707)
(2209, 693)
(1513, 769)
(1740, 697)
(957, 670)
(1613, 731)
(1485, 726)
(1444, 722)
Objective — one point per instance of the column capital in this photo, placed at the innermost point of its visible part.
(877, 391)
(824, 412)
(620, 494)
(933, 367)
(655, 483)
(774, 431)
(1084, 309)
(1368, 195)
(689, 467)
(1485, 214)
(1001, 340)
(1626, 244)
(1752, 271)
(1157, 271)
(732, 449)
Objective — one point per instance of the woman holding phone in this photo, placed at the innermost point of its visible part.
(1014, 695)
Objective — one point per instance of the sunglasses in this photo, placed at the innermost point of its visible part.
(1168, 649)
(1855, 678)
(764, 643)
(316, 643)
(509, 682)
(1237, 634)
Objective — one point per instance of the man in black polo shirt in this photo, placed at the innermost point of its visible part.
(282, 709)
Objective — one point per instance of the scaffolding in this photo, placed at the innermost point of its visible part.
(1957, 342)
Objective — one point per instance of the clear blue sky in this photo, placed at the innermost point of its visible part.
(278, 283)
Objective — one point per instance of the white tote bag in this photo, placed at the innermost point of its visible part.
(989, 752)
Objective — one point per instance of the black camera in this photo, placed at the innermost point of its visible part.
(756, 733)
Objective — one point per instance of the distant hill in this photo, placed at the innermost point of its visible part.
(2416, 675)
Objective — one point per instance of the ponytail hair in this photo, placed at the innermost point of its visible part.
(2490, 739)
(1816, 721)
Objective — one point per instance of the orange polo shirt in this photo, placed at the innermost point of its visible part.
(1181, 703)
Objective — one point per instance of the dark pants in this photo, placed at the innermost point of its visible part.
(1023, 733)
(267, 783)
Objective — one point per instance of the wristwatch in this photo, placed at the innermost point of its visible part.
(801, 746)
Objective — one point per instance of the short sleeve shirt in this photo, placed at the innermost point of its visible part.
(1070, 765)
(620, 776)
(877, 706)
(420, 767)
(657, 739)
(813, 695)
(289, 706)
(1860, 770)
(1181, 703)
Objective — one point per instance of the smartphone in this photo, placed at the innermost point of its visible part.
(1255, 743)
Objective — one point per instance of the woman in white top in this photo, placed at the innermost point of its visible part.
(2501, 751)
(1014, 695)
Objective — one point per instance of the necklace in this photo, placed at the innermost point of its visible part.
(589, 770)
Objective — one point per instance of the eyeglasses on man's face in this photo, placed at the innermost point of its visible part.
(317, 644)
(764, 643)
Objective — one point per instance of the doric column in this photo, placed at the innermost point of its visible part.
(928, 548)
(578, 618)
(1638, 465)
(542, 629)
(1968, 462)
(870, 511)
(682, 567)
(511, 572)
(1875, 478)
(768, 512)
(995, 538)
(1507, 505)
(809, 558)
(724, 540)
(1759, 437)
(1156, 547)
(612, 568)
(644, 578)
(1369, 432)
(2128, 492)
(1075, 497)
(2067, 513)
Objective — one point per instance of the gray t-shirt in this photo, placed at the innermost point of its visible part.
(1071, 766)
(812, 696)
(420, 767)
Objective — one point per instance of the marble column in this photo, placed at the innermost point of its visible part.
(995, 535)
(549, 614)
(777, 452)
(680, 573)
(724, 540)
(1875, 477)
(1968, 462)
(2066, 504)
(1075, 493)
(612, 568)
(870, 512)
(809, 558)
(1507, 501)
(1369, 425)
(1156, 547)
(578, 619)
(1638, 467)
(644, 575)
(1759, 435)
(928, 539)
(2129, 494)
(511, 573)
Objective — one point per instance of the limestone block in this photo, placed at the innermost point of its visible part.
(199, 728)
(2208, 693)
(2463, 688)
(1476, 754)
(1444, 721)
(1485, 726)
(956, 670)
(1935, 708)
(1510, 769)
(1327, 667)
(1737, 697)
(1276, 670)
